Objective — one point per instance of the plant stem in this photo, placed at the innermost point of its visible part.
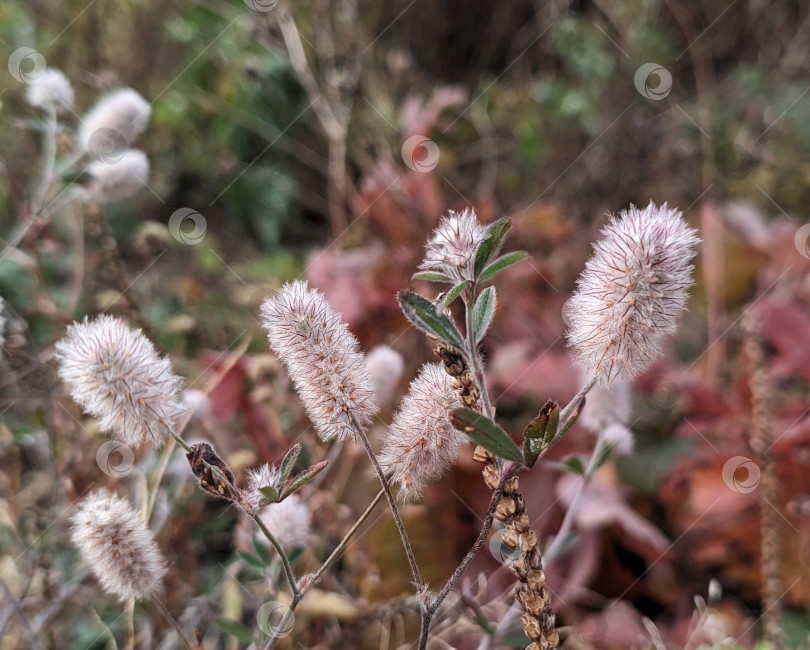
(48, 161)
(571, 408)
(171, 620)
(406, 542)
(338, 549)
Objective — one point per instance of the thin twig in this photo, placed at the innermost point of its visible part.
(171, 620)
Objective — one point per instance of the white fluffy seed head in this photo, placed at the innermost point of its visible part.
(287, 520)
(631, 292)
(421, 443)
(51, 90)
(322, 357)
(117, 546)
(119, 178)
(454, 244)
(385, 366)
(116, 375)
(123, 112)
(260, 477)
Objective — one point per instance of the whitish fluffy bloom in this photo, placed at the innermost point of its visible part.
(385, 366)
(454, 244)
(117, 546)
(288, 521)
(50, 90)
(122, 114)
(258, 478)
(631, 292)
(322, 357)
(119, 178)
(422, 443)
(607, 412)
(116, 375)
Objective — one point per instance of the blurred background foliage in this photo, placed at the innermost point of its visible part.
(294, 159)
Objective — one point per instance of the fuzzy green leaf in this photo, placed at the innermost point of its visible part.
(503, 262)
(288, 463)
(496, 233)
(483, 312)
(486, 433)
(432, 276)
(303, 478)
(251, 560)
(450, 296)
(271, 492)
(422, 313)
(261, 552)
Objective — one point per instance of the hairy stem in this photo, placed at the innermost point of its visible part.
(171, 620)
(406, 542)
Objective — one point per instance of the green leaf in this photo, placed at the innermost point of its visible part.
(303, 478)
(251, 560)
(574, 464)
(496, 233)
(262, 552)
(422, 313)
(544, 426)
(483, 312)
(486, 433)
(271, 492)
(432, 276)
(450, 296)
(235, 628)
(503, 262)
(288, 463)
(295, 555)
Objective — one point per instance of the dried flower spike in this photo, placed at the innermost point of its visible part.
(117, 546)
(116, 375)
(454, 244)
(287, 520)
(631, 292)
(422, 443)
(322, 357)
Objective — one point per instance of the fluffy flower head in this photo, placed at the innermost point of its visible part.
(322, 357)
(117, 545)
(115, 375)
(422, 443)
(118, 178)
(385, 366)
(631, 292)
(122, 115)
(454, 244)
(50, 90)
(263, 476)
(287, 520)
